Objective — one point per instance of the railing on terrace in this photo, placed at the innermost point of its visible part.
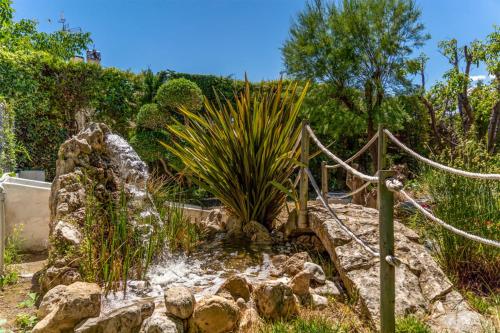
(386, 187)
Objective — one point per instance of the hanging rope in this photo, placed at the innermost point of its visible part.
(337, 219)
(350, 169)
(396, 186)
(355, 156)
(359, 189)
(489, 176)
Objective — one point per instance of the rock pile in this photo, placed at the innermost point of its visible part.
(97, 159)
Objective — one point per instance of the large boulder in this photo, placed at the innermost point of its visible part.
(300, 283)
(63, 307)
(179, 302)
(216, 315)
(275, 300)
(250, 321)
(123, 320)
(93, 160)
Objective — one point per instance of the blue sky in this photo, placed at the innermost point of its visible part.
(228, 37)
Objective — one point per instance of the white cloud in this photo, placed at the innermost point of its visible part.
(477, 77)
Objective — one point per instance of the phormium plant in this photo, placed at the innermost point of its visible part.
(238, 151)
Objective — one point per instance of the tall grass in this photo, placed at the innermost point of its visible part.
(471, 205)
(236, 151)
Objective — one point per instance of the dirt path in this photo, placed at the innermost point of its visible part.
(12, 295)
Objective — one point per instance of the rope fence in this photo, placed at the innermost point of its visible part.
(387, 186)
(487, 176)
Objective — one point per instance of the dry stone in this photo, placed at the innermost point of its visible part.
(216, 315)
(237, 286)
(275, 300)
(256, 232)
(300, 283)
(160, 323)
(123, 320)
(179, 302)
(63, 307)
(295, 263)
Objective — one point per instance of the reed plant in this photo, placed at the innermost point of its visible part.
(237, 150)
(120, 243)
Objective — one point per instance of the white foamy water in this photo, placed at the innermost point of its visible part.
(203, 272)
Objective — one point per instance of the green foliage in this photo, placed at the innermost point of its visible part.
(150, 117)
(47, 93)
(177, 93)
(411, 324)
(8, 148)
(211, 85)
(25, 322)
(29, 302)
(357, 52)
(301, 325)
(471, 205)
(24, 35)
(236, 152)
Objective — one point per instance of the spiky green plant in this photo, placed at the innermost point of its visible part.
(236, 151)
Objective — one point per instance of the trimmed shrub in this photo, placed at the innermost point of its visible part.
(151, 117)
(177, 93)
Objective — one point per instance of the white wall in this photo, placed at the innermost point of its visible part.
(27, 210)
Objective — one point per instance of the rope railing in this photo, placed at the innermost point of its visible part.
(343, 164)
(396, 186)
(337, 219)
(356, 191)
(358, 154)
(488, 176)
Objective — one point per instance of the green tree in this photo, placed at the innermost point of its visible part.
(24, 35)
(359, 51)
(179, 92)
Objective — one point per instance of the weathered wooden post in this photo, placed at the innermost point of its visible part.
(304, 180)
(324, 181)
(386, 241)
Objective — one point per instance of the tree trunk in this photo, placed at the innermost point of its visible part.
(494, 128)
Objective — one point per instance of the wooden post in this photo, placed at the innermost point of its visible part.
(304, 181)
(2, 229)
(386, 242)
(324, 181)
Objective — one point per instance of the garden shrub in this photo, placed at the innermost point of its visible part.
(151, 117)
(179, 92)
(7, 138)
(46, 93)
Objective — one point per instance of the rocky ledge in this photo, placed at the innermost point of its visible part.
(422, 288)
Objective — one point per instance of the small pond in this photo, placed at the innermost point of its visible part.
(204, 270)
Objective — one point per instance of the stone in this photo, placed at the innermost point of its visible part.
(318, 302)
(94, 156)
(215, 315)
(68, 233)
(275, 300)
(213, 223)
(295, 263)
(63, 307)
(300, 283)
(237, 286)
(179, 302)
(316, 272)
(123, 320)
(250, 321)
(160, 323)
(329, 289)
(257, 232)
